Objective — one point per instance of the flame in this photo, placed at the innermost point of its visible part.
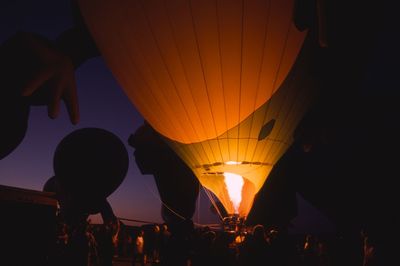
(234, 184)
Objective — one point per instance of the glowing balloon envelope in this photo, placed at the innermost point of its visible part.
(211, 76)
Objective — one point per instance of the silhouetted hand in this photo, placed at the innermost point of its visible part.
(43, 73)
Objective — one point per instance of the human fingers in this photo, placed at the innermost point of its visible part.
(42, 76)
(71, 101)
(59, 86)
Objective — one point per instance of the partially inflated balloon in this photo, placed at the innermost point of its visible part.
(211, 76)
(90, 164)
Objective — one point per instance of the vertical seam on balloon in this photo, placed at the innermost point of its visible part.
(259, 74)
(144, 81)
(222, 76)
(155, 98)
(151, 92)
(302, 89)
(205, 82)
(268, 153)
(165, 65)
(188, 83)
(283, 142)
(273, 85)
(241, 80)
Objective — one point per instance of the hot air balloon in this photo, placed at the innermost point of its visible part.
(89, 165)
(218, 79)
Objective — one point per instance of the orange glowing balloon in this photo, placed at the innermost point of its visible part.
(211, 77)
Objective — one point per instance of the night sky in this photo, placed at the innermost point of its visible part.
(103, 104)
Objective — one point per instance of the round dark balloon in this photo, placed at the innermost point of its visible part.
(90, 164)
(50, 185)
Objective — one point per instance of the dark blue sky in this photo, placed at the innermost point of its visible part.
(102, 104)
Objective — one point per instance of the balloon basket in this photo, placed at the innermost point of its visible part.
(233, 223)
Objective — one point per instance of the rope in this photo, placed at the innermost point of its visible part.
(210, 197)
(165, 205)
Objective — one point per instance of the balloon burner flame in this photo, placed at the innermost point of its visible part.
(234, 184)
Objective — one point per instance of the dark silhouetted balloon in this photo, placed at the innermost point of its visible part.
(176, 183)
(90, 164)
(14, 109)
(51, 185)
(14, 113)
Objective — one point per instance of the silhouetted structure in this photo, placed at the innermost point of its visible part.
(27, 226)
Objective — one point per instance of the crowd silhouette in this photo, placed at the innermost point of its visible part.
(153, 244)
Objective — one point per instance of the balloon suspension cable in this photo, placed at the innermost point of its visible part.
(164, 204)
(212, 200)
(136, 221)
(198, 204)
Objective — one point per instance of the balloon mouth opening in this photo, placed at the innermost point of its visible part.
(232, 163)
(234, 185)
(232, 182)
